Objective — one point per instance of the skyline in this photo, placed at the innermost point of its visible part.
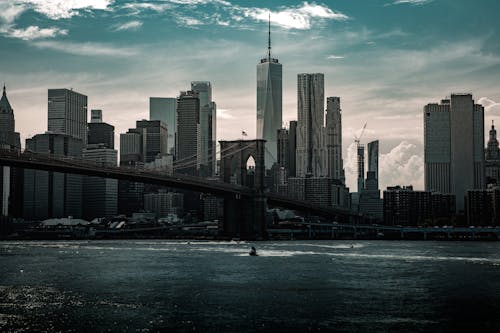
(377, 68)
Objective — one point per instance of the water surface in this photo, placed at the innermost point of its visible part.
(337, 286)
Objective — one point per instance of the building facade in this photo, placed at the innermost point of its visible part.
(310, 125)
(334, 139)
(165, 109)
(155, 137)
(208, 124)
(454, 146)
(100, 195)
(50, 194)
(269, 102)
(67, 113)
(292, 146)
(188, 133)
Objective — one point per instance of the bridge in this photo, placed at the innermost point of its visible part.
(244, 207)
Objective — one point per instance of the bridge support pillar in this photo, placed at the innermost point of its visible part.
(245, 218)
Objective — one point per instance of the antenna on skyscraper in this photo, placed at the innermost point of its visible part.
(269, 39)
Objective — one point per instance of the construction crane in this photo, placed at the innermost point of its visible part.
(358, 139)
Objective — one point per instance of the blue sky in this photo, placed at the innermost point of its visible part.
(386, 59)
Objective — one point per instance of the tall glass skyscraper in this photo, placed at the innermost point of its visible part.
(207, 126)
(165, 109)
(269, 103)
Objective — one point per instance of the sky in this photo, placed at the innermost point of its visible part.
(386, 59)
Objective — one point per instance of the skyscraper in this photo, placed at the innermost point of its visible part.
(310, 125)
(165, 109)
(283, 148)
(49, 194)
(188, 132)
(454, 146)
(373, 162)
(100, 132)
(269, 102)
(11, 194)
(334, 139)
(155, 136)
(100, 195)
(67, 113)
(360, 149)
(207, 126)
(292, 145)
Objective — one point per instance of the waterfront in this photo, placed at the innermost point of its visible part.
(345, 286)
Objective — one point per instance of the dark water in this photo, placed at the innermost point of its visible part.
(148, 286)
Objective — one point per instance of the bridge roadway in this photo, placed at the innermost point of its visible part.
(65, 164)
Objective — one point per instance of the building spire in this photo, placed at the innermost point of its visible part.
(269, 39)
(4, 93)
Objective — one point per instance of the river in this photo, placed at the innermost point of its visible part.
(295, 286)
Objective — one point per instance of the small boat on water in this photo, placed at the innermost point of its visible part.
(253, 252)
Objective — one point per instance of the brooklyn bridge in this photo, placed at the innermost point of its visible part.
(245, 205)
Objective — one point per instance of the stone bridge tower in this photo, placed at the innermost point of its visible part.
(244, 216)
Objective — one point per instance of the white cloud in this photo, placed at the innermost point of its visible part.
(86, 49)
(189, 21)
(299, 17)
(334, 57)
(411, 2)
(132, 25)
(136, 8)
(34, 32)
(9, 12)
(61, 9)
(402, 165)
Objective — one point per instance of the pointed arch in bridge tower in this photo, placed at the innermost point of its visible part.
(234, 158)
(244, 216)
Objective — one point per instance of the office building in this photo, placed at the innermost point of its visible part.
(165, 109)
(67, 113)
(269, 102)
(188, 133)
(360, 150)
(310, 126)
(283, 148)
(50, 194)
(100, 195)
(11, 194)
(406, 207)
(334, 139)
(454, 146)
(96, 116)
(131, 194)
(208, 124)
(292, 145)
(373, 163)
(164, 202)
(155, 137)
(99, 132)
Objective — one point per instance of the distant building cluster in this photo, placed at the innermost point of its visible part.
(303, 159)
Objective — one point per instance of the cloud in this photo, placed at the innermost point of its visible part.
(137, 7)
(412, 2)
(189, 21)
(299, 17)
(402, 165)
(86, 49)
(63, 9)
(334, 57)
(34, 32)
(132, 25)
